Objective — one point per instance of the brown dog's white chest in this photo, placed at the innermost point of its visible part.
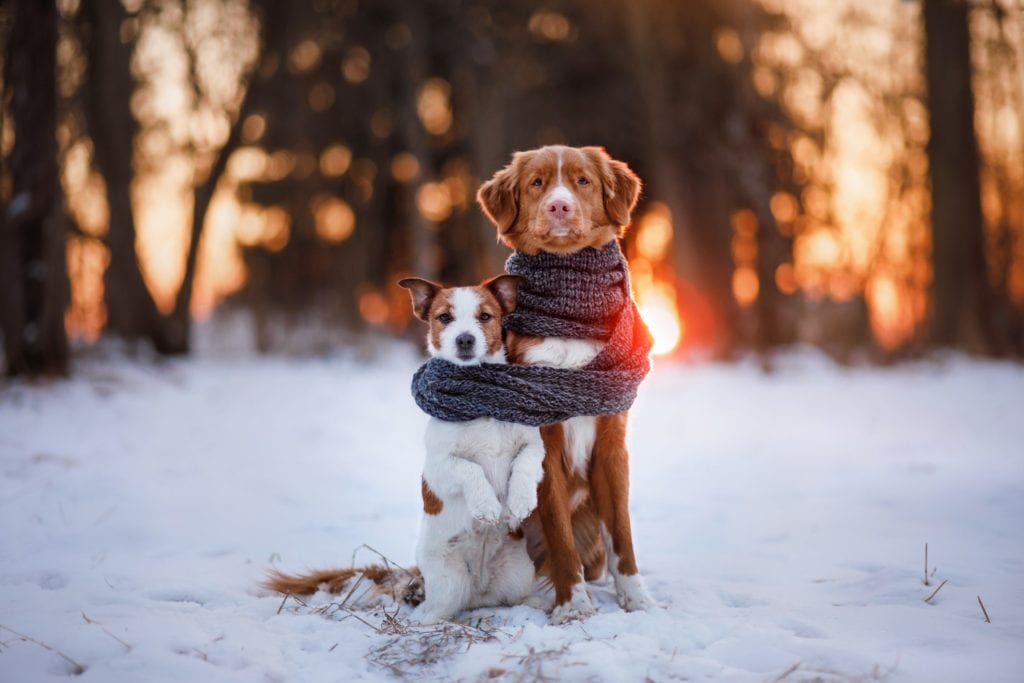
(559, 352)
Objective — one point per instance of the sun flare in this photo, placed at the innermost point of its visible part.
(658, 309)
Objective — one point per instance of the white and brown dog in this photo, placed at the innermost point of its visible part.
(480, 477)
(561, 200)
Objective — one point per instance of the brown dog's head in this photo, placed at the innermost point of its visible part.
(560, 199)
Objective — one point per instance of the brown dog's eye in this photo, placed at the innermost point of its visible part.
(484, 317)
(537, 182)
(445, 318)
(582, 181)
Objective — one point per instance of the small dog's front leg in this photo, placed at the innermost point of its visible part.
(483, 504)
(527, 471)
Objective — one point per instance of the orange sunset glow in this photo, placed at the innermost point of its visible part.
(854, 223)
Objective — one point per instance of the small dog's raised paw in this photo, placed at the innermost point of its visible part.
(486, 511)
(521, 505)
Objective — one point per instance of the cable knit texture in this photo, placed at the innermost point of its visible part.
(584, 295)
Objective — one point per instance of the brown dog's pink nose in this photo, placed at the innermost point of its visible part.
(560, 208)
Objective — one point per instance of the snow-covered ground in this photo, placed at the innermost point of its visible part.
(780, 521)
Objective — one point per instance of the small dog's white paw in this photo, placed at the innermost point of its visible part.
(428, 616)
(632, 594)
(521, 505)
(486, 511)
(576, 608)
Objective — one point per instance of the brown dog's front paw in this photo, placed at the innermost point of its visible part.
(576, 608)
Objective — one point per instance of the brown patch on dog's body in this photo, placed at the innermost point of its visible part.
(564, 534)
(432, 505)
(489, 306)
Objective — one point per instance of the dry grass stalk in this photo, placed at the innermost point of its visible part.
(928, 599)
(127, 647)
(877, 674)
(984, 611)
(411, 649)
(77, 669)
(531, 665)
(786, 673)
(926, 564)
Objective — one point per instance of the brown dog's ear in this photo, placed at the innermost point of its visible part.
(422, 293)
(620, 185)
(505, 289)
(499, 196)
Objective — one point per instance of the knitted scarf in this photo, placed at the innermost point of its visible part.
(584, 295)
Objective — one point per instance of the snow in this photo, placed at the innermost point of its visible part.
(779, 520)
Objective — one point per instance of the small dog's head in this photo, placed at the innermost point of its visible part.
(465, 322)
(560, 199)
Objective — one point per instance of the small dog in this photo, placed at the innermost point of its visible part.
(480, 477)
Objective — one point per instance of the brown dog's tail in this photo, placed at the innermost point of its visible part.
(378, 580)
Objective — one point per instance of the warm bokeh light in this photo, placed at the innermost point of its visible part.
(654, 232)
(550, 26)
(356, 65)
(373, 307)
(335, 160)
(434, 106)
(321, 96)
(745, 285)
(404, 167)
(305, 56)
(729, 45)
(335, 219)
(433, 201)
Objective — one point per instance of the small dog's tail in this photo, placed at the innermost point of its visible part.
(402, 585)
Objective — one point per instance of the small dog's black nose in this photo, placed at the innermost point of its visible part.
(464, 342)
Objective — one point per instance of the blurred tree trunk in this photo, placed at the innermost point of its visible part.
(131, 311)
(694, 195)
(960, 299)
(34, 288)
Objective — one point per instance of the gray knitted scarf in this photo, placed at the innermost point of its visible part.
(584, 295)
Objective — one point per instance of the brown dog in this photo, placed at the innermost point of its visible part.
(561, 200)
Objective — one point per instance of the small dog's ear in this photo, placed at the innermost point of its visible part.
(505, 289)
(422, 293)
(621, 187)
(499, 196)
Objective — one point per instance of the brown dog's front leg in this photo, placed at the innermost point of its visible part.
(609, 480)
(563, 566)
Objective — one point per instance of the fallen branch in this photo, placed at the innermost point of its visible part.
(984, 611)
(936, 591)
(77, 669)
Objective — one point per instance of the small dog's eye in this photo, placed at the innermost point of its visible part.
(484, 317)
(445, 318)
(583, 181)
(537, 182)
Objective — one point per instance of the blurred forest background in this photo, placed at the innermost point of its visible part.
(844, 174)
